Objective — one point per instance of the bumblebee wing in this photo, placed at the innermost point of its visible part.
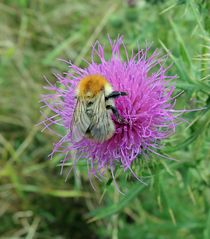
(102, 126)
(80, 122)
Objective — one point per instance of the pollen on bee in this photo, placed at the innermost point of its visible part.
(91, 85)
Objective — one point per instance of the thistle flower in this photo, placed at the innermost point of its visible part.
(148, 108)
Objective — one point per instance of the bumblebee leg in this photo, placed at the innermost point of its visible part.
(115, 94)
(119, 118)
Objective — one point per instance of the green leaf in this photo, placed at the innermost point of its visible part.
(207, 231)
(60, 48)
(52, 192)
(201, 127)
(183, 49)
(114, 208)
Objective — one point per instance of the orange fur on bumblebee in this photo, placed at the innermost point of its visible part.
(94, 107)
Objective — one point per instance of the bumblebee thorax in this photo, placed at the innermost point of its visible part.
(91, 85)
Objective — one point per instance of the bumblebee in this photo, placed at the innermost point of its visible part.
(95, 105)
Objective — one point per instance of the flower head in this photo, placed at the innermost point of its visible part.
(147, 109)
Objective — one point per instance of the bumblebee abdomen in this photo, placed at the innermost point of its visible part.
(91, 85)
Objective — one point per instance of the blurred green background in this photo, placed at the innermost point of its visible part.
(35, 202)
